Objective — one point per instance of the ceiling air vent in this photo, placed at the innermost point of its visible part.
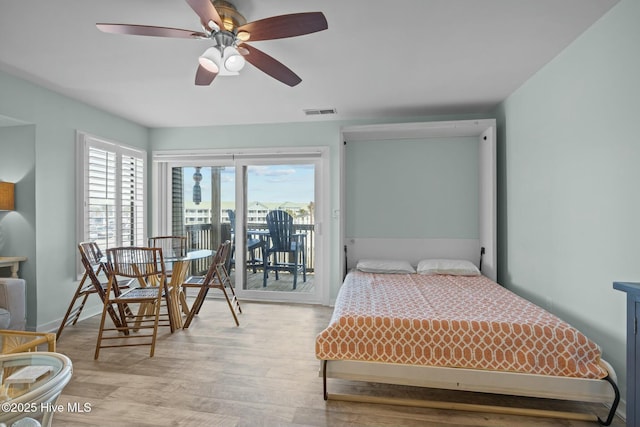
(319, 111)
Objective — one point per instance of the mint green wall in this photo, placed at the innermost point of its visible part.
(569, 156)
(46, 157)
(412, 188)
(17, 228)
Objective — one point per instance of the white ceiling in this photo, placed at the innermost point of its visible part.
(377, 59)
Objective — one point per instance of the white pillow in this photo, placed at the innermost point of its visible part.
(456, 267)
(384, 266)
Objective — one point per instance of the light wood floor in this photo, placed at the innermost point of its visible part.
(263, 373)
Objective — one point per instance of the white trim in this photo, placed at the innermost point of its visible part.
(161, 189)
(455, 128)
(207, 155)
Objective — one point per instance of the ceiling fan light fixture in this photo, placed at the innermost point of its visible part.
(243, 36)
(223, 65)
(210, 60)
(233, 61)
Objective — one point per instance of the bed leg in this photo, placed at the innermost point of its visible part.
(324, 380)
(614, 405)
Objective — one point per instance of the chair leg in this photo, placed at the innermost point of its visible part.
(202, 297)
(304, 264)
(82, 304)
(265, 270)
(156, 321)
(253, 261)
(167, 300)
(235, 300)
(100, 331)
(233, 312)
(80, 291)
(183, 301)
(227, 281)
(197, 304)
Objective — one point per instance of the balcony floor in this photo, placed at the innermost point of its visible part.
(283, 284)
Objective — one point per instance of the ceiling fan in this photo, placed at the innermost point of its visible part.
(228, 29)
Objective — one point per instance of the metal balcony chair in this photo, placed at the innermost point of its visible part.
(253, 245)
(283, 242)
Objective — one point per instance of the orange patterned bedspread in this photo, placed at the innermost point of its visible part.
(452, 321)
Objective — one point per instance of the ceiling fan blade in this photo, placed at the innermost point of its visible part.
(148, 30)
(204, 77)
(279, 27)
(206, 12)
(271, 66)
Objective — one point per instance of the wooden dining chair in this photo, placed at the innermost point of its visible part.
(146, 267)
(92, 260)
(217, 277)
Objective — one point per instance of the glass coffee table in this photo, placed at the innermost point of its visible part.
(21, 341)
(31, 384)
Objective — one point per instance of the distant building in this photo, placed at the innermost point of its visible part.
(256, 212)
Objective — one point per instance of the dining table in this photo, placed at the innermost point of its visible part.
(180, 269)
(177, 301)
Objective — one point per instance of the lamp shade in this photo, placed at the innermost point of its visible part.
(233, 61)
(224, 65)
(210, 60)
(7, 200)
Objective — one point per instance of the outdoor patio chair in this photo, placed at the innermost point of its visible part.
(253, 245)
(284, 241)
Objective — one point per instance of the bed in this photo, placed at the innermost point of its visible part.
(447, 326)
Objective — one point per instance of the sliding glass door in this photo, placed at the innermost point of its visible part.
(279, 229)
(235, 198)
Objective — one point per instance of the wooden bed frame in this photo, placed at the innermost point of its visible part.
(509, 383)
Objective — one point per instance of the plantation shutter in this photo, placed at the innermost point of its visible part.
(131, 228)
(112, 202)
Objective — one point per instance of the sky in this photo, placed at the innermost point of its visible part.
(266, 183)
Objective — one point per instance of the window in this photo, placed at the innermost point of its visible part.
(111, 192)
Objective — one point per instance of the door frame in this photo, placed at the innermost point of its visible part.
(321, 290)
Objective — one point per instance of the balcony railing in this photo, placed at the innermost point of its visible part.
(201, 236)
